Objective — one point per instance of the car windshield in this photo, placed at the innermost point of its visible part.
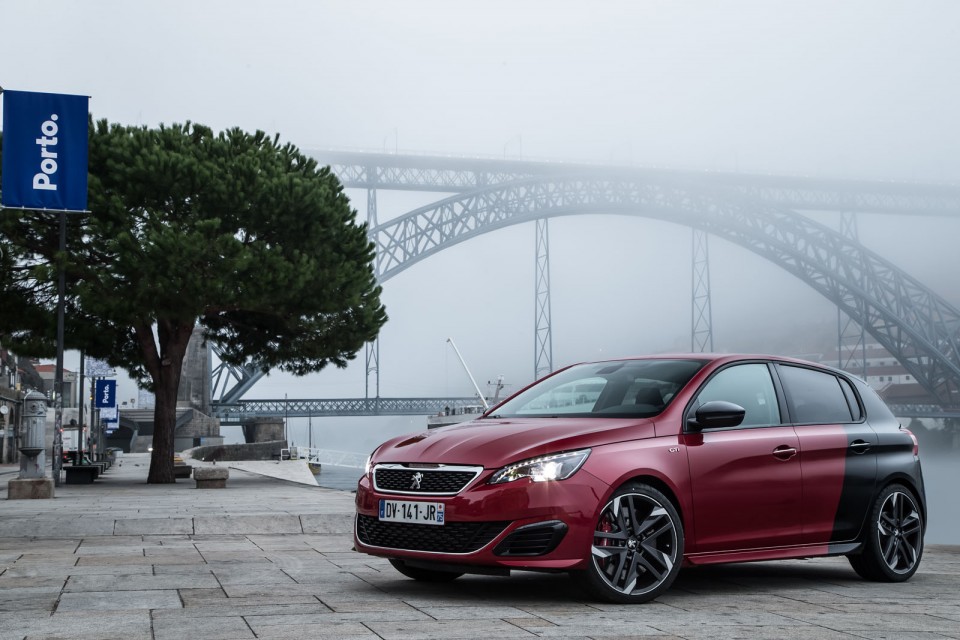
(617, 389)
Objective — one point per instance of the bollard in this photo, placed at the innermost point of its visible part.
(32, 435)
(32, 482)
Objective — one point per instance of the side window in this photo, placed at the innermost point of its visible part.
(815, 396)
(748, 385)
(851, 400)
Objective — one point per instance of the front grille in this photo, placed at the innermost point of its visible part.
(532, 540)
(451, 537)
(440, 481)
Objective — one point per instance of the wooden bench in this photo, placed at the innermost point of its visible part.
(182, 470)
(211, 477)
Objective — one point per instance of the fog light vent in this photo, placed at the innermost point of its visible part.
(533, 539)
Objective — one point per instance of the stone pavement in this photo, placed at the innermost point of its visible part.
(265, 558)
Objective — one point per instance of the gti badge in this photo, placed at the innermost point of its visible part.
(417, 478)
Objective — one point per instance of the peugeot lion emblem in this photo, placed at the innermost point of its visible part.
(417, 478)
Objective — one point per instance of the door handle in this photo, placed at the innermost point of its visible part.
(784, 452)
(860, 446)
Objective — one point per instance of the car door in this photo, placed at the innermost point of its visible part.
(837, 450)
(745, 480)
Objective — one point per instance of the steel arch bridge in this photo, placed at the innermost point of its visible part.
(760, 213)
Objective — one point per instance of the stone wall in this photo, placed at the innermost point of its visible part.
(200, 426)
(236, 452)
(262, 429)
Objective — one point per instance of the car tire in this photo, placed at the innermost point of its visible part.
(424, 575)
(893, 541)
(637, 547)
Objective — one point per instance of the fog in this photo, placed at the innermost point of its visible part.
(859, 89)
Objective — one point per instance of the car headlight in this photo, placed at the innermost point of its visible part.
(367, 466)
(558, 466)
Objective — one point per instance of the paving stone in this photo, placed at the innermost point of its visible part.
(87, 624)
(16, 582)
(448, 629)
(182, 558)
(261, 575)
(254, 602)
(118, 540)
(54, 527)
(227, 607)
(38, 544)
(201, 598)
(213, 628)
(474, 612)
(279, 541)
(309, 560)
(105, 550)
(327, 523)
(235, 557)
(327, 617)
(872, 621)
(247, 524)
(268, 591)
(318, 573)
(119, 600)
(154, 526)
(141, 582)
(63, 572)
(361, 606)
(332, 631)
(28, 601)
(243, 545)
(179, 552)
(329, 543)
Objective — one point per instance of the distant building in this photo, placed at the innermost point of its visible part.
(884, 373)
(17, 374)
(48, 374)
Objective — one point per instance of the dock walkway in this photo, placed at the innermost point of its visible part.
(266, 558)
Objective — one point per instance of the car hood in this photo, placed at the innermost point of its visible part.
(494, 443)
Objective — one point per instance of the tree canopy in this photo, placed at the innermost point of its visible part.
(233, 231)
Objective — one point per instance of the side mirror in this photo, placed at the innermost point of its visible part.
(716, 414)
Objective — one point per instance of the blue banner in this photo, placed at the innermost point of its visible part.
(44, 151)
(105, 394)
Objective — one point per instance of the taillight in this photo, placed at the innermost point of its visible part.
(916, 443)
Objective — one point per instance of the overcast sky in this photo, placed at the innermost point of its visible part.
(827, 88)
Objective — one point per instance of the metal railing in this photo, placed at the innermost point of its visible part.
(325, 456)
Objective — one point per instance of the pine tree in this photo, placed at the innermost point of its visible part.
(234, 231)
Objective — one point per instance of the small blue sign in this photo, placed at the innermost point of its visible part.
(105, 394)
(45, 139)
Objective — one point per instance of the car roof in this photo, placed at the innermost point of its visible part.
(722, 358)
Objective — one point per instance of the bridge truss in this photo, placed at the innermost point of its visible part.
(760, 213)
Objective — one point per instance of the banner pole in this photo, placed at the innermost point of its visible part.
(57, 462)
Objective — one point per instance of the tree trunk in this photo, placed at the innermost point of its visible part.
(173, 347)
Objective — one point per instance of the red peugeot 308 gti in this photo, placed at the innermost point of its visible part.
(621, 471)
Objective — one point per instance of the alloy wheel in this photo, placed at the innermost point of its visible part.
(900, 532)
(635, 544)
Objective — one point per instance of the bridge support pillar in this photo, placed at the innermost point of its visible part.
(262, 430)
(543, 340)
(701, 328)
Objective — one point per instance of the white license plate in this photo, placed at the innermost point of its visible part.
(405, 511)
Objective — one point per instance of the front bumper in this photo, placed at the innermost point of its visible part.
(518, 525)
